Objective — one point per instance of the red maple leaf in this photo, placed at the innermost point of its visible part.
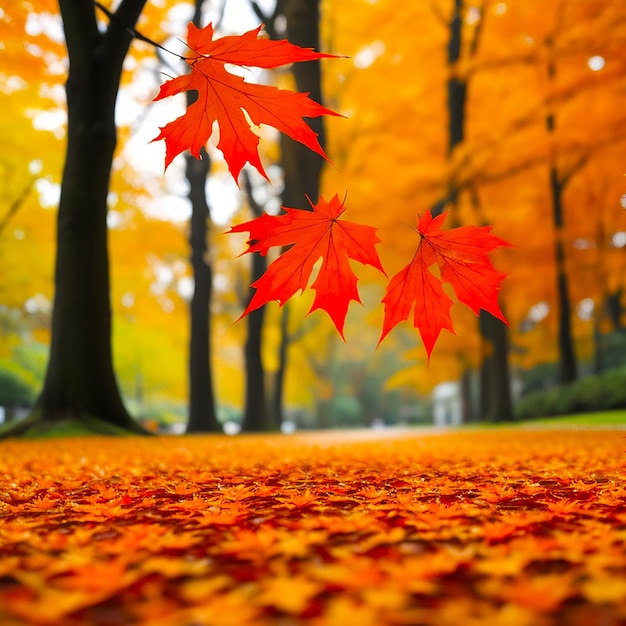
(236, 105)
(316, 234)
(461, 256)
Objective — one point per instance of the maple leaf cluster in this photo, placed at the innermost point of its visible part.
(510, 527)
(237, 106)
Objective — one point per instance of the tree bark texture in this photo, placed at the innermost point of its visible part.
(495, 388)
(202, 415)
(256, 417)
(568, 366)
(495, 379)
(494, 371)
(278, 391)
(301, 167)
(80, 380)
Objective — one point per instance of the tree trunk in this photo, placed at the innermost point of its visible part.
(467, 397)
(456, 89)
(568, 367)
(278, 409)
(80, 384)
(494, 374)
(495, 380)
(301, 167)
(256, 417)
(202, 416)
(598, 346)
(615, 309)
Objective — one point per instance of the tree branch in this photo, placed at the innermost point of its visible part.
(16, 204)
(255, 207)
(436, 9)
(133, 32)
(268, 20)
(121, 31)
(580, 162)
(479, 29)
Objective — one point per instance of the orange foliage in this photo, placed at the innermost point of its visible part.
(473, 528)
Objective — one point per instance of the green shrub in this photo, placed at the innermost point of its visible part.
(17, 385)
(593, 393)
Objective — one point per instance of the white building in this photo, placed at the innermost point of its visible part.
(447, 404)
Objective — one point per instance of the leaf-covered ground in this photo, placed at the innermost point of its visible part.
(507, 528)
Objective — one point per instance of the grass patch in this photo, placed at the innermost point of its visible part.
(593, 420)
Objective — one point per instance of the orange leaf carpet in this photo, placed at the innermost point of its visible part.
(508, 528)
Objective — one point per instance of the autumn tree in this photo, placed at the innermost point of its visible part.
(256, 414)
(80, 386)
(500, 170)
(301, 167)
(562, 42)
(566, 63)
(202, 415)
(495, 385)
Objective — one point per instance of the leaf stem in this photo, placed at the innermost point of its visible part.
(134, 32)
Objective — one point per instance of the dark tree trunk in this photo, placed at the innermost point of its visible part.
(494, 374)
(614, 309)
(495, 380)
(301, 166)
(598, 347)
(278, 409)
(456, 89)
(202, 416)
(467, 397)
(80, 384)
(568, 367)
(457, 99)
(256, 417)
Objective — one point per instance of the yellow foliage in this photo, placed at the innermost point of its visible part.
(391, 153)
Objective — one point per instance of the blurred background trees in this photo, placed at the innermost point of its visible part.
(541, 157)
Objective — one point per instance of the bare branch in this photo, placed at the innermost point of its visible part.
(580, 163)
(133, 32)
(121, 32)
(16, 204)
(255, 207)
(436, 9)
(259, 12)
(473, 49)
